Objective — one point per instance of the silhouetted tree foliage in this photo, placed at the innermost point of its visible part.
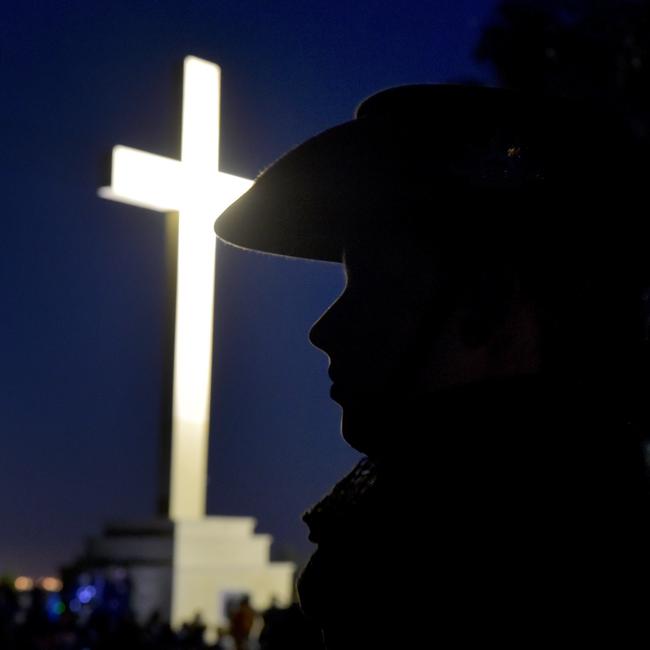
(593, 49)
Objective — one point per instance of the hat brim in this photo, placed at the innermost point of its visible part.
(297, 206)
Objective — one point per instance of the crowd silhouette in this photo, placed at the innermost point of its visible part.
(28, 621)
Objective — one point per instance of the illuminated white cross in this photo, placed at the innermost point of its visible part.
(195, 188)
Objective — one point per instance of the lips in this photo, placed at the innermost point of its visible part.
(335, 389)
(343, 395)
(340, 377)
(346, 387)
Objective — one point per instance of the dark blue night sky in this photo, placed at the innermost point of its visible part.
(83, 280)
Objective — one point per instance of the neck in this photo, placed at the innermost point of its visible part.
(517, 410)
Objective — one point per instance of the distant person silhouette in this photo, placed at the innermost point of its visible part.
(489, 355)
(242, 619)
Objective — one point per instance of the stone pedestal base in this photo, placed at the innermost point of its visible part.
(186, 568)
(217, 559)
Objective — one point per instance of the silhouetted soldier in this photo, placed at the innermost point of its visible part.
(488, 354)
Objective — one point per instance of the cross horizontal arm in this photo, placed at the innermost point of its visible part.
(145, 179)
(164, 184)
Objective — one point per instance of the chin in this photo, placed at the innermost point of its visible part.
(355, 435)
(379, 423)
(364, 429)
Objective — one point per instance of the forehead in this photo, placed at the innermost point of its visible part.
(384, 258)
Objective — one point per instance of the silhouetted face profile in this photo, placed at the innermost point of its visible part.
(378, 336)
(397, 333)
(373, 334)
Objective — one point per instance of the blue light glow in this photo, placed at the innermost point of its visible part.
(86, 594)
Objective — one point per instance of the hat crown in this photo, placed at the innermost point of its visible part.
(411, 148)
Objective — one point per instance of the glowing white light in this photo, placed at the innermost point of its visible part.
(195, 188)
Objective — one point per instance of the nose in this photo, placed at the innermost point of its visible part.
(325, 330)
(318, 332)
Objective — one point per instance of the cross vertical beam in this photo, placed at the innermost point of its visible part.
(195, 188)
(194, 299)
